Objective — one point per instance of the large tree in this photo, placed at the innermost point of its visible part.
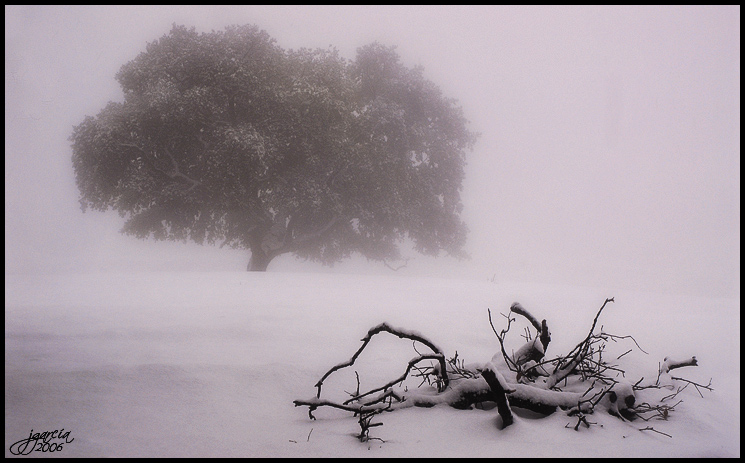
(227, 138)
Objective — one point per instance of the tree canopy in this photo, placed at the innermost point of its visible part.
(225, 137)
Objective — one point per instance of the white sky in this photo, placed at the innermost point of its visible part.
(609, 155)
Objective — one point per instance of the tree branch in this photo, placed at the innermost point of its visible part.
(176, 172)
(580, 349)
(649, 428)
(395, 269)
(411, 364)
(669, 364)
(495, 381)
(396, 332)
(500, 336)
(696, 385)
(290, 244)
(519, 309)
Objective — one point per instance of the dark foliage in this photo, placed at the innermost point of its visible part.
(224, 137)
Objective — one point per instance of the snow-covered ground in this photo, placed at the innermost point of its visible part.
(165, 364)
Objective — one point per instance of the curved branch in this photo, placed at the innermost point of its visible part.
(395, 269)
(396, 332)
(519, 309)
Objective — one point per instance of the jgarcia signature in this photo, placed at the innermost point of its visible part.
(42, 442)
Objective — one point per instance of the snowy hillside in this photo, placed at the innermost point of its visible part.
(208, 364)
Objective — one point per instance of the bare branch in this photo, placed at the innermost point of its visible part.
(623, 354)
(613, 337)
(649, 428)
(395, 269)
(411, 363)
(315, 403)
(500, 336)
(696, 385)
(661, 412)
(396, 332)
(581, 348)
(675, 394)
(365, 425)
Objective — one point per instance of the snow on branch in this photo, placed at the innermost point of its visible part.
(670, 364)
(519, 309)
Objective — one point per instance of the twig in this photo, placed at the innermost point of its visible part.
(613, 338)
(390, 395)
(623, 354)
(459, 368)
(357, 392)
(365, 424)
(696, 385)
(659, 372)
(673, 395)
(584, 345)
(661, 411)
(526, 334)
(581, 418)
(510, 363)
(649, 428)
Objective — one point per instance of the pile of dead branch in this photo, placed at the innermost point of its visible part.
(579, 383)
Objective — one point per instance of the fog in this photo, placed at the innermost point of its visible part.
(609, 153)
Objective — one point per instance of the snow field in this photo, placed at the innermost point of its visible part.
(207, 364)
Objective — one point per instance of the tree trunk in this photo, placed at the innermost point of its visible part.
(259, 260)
